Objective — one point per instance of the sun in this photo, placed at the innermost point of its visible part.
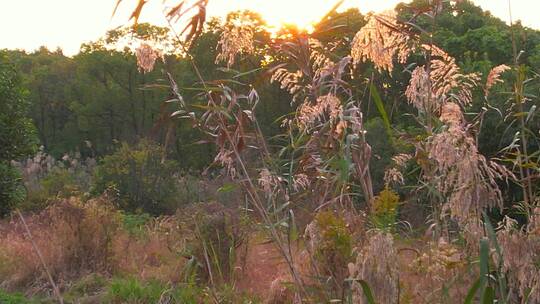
(300, 13)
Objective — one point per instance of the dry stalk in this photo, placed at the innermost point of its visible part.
(250, 188)
(41, 259)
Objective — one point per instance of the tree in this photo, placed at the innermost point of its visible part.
(17, 133)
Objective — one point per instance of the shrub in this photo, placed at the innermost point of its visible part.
(60, 182)
(134, 224)
(74, 238)
(46, 178)
(11, 188)
(385, 209)
(143, 181)
(218, 231)
(330, 247)
(89, 285)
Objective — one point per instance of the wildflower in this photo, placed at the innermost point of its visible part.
(146, 57)
(418, 91)
(379, 40)
(377, 264)
(467, 178)
(494, 77)
(328, 106)
(451, 114)
(236, 39)
(268, 181)
(289, 81)
(300, 181)
(520, 251)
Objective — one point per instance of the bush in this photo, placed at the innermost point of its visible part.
(74, 238)
(11, 188)
(46, 178)
(217, 233)
(143, 181)
(60, 182)
(330, 244)
(385, 208)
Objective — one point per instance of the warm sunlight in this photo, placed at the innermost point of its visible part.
(269, 151)
(302, 13)
(45, 24)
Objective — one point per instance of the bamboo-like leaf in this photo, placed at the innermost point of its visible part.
(380, 107)
(484, 268)
(493, 237)
(489, 295)
(293, 229)
(116, 7)
(137, 12)
(472, 292)
(227, 188)
(531, 113)
(367, 292)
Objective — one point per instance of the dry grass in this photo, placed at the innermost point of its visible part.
(74, 238)
(78, 238)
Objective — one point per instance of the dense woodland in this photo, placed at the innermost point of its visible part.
(145, 170)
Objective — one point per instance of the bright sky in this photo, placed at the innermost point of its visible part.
(29, 24)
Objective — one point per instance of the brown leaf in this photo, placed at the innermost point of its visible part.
(137, 12)
(175, 11)
(116, 7)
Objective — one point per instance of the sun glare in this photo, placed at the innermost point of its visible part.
(301, 13)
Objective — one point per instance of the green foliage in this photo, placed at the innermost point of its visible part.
(337, 240)
(7, 298)
(381, 144)
(385, 208)
(143, 181)
(132, 291)
(134, 223)
(333, 252)
(217, 236)
(12, 191)
(17, 134)
(88, 286)
(60, 182)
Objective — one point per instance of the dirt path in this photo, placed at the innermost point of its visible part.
(257, 269)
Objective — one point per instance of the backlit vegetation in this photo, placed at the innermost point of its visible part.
(385, 158)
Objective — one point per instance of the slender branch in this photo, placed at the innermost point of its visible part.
(41, 259)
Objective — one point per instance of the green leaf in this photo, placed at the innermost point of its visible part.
(472, 292)
(367, 292)
(484, 267)
(227, 188)
(380, 107)
(293, 229)
(493, 238)
(489, 295)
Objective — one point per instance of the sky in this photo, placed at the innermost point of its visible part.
(29, 24)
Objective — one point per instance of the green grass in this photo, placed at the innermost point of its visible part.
(132, 291)
(15, 298)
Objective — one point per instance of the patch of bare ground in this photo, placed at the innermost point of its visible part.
(259, 264)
